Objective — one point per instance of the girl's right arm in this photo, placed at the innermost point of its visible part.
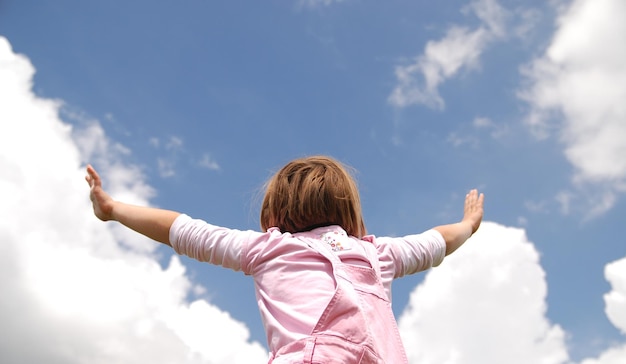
(151, 222)
(456, 234)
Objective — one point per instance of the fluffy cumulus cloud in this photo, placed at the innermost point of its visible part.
(485, 304)
(616, 311)
(459, 49)
(616, 299)
(76, 290)
(577, 89)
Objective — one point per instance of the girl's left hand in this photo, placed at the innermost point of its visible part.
(102, 202)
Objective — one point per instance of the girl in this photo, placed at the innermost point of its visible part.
(323, 286)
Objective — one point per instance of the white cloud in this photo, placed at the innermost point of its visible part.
(155, 142)
(316, 3)
(497, 131)
(528, 20)
(491, 14)
(460, 49)
(175, 152)
(577, 90)
(485, 304)
(522, 221)
(166, 167)
(564, 199)
(482, 122)
(471, 137)
(462, 139)
(615, 355)
(73, 292)
(174, 143)
(537, 206)
(208, 162)
(615, 301)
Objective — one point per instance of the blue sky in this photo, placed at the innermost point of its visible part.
(192, 105)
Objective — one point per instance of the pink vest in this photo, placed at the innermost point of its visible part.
(357, 326)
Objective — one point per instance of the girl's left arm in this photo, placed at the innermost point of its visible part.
(152, 222)
(456, 234)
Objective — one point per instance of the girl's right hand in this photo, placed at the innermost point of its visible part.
(102, 202)
(473, 211)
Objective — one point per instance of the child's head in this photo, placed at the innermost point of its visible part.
(311, 192)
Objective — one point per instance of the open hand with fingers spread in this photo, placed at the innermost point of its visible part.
(152, 222)
(456, 234)
(473, 211)
(102, 202)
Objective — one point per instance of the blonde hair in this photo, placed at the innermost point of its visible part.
(311, 192)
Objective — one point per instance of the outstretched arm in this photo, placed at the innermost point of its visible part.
(151, 222)
(456, 234)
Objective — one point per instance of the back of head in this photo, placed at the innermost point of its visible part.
(311, 192)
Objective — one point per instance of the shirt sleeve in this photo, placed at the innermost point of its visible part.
(412, 253)
(202, 241)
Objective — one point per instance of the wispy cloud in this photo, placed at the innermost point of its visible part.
(459, 49)
(208, 162)
(576, 91)
(173, 151)
(472, 137)
(317, 3)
